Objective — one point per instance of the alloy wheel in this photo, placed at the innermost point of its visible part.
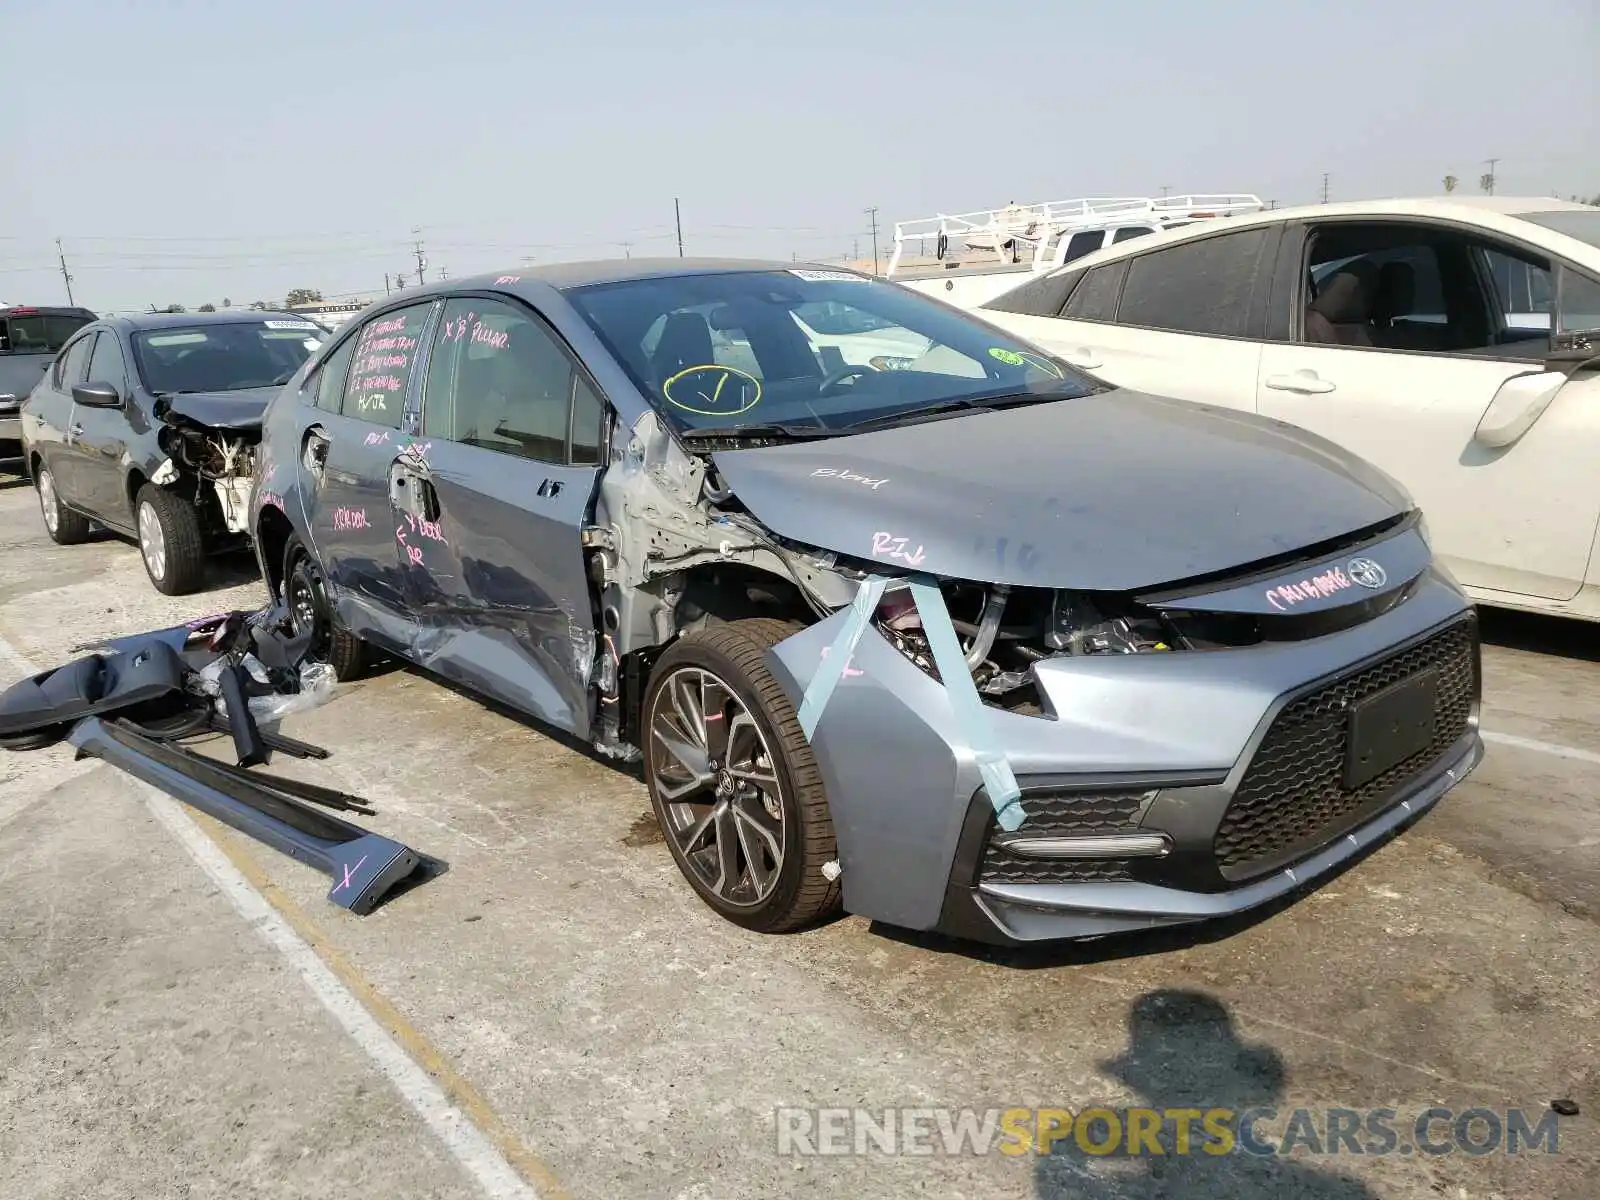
(49, 505)
(715, 780)
(152, 541)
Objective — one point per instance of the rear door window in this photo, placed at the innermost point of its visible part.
(385, 353)
(1096, 298)
(1202, 287)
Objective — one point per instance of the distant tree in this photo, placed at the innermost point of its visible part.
(207, 307)
(302, 296)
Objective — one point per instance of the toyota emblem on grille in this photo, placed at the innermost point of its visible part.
(1367, 573)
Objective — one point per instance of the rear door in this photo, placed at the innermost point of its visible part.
(352, 438)
(1426, 344)
(493, 509)
(1186, 320)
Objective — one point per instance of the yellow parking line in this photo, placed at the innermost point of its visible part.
(412, 1040)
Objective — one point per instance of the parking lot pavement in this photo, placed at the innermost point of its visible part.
(612, 1037)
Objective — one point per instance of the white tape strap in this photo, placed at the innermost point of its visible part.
(820, 690)
(971, 716)
(972, 719)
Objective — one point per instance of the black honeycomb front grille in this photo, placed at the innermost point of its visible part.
(1064, 814)
(1292, 798)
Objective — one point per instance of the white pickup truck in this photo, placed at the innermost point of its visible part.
(979, 255)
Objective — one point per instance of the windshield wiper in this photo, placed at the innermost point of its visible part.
(946, 408)
(741, 433)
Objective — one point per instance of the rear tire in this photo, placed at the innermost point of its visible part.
(170, 542)
(307, 600)
(723, 829)
(65, 527)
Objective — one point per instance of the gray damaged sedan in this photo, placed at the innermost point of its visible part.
(902, 614)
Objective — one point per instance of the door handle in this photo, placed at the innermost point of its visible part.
(1305, 382)
(550, 487)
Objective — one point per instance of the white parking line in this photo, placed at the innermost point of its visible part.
(475, 1153)
(1522, 743)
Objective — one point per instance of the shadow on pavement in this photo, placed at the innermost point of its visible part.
(1185, 1053)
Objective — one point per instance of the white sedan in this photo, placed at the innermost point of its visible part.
(1452, 342)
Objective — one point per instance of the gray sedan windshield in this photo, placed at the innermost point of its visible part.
(223, 356)
(818, 348)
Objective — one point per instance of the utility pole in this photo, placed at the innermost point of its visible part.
(677, 217)
(873, 213)
(62, 258)
(422, 263)
(1324, 187)
(1488, 180)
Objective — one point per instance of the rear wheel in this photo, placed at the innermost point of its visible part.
(307, 601)
(169, 541)
(65, 527)
(733, 781)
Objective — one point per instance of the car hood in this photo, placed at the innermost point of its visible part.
(242, 409)
(1117, 491)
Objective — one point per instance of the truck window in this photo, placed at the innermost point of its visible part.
(38, 333)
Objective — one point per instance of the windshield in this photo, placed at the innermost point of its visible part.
(39, 333)
(1575, 223)
(805, 347)
(224, 357)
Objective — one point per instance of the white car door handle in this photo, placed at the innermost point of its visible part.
(1301, 381)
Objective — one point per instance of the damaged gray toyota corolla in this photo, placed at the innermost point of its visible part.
(902, 614)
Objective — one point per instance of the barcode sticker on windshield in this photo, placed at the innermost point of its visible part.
(824, 276)
(290, 325)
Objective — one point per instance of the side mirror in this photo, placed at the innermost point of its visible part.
(96, 395)
(1519, 402)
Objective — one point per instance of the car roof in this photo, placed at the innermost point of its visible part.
(566, 275)
(1486, 211)
(169, 320)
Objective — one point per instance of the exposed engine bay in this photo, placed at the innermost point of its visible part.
(214, 464)
(672, 548)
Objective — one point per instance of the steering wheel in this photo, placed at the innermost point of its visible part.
(838, 376)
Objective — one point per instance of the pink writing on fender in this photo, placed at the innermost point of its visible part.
(849, 671)
(1312, 587)
(350, 518)
(886, 545)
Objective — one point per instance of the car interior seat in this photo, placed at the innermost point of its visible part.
(1343, 307)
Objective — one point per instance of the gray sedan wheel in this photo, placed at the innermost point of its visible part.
(65, 527)
(733, 781)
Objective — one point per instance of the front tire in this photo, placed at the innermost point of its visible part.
(307, 601)
(65, 527)
(170, 542)
(733, 781)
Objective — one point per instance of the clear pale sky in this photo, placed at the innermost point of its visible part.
(190, 152)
